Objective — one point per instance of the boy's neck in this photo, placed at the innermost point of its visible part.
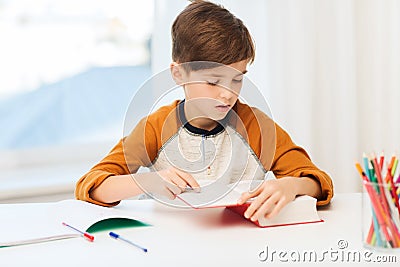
(203, 123)
(196, 121)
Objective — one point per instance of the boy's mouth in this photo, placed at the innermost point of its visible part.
(223, 108)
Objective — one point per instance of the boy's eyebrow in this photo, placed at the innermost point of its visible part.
(219, 75)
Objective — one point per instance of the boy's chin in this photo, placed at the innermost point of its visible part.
(218, 117)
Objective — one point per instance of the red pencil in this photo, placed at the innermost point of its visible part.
(378, 211)
(384, 202)
(381, 160)
(378, 173)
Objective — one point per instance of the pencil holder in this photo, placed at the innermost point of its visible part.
(381, 219)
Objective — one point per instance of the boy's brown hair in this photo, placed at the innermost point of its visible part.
(204, 31)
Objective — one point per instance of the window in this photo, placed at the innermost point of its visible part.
(68, 71)
(71, 67)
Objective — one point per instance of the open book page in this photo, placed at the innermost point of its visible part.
(217, 194)
(301, 210)
(212, 195)
(43, 222)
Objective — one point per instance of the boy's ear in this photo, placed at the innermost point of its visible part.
(177, 73)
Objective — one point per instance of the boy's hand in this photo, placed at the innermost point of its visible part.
(168, 182)
(270, 197)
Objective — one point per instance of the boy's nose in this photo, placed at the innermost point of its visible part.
(226, 93)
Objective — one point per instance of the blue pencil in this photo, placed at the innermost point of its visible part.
(117, 236)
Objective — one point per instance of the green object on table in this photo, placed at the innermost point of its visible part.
(114, 223)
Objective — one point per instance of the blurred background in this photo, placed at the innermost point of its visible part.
(68, 70)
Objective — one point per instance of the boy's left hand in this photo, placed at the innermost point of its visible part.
(270, 197)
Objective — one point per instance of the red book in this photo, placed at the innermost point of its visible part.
(300, 211)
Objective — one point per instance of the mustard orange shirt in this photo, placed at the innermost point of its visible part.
(244, 145)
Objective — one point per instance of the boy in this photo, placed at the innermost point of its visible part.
(207, 38)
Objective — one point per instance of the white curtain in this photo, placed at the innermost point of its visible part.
(330, 70)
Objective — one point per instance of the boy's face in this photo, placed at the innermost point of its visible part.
(211, 93)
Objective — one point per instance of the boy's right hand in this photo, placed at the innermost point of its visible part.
(168, 182)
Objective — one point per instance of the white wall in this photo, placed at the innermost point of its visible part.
(329, 69)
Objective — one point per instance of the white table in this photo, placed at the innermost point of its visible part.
(208, 237)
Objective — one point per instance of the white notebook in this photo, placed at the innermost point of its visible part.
(43, 222)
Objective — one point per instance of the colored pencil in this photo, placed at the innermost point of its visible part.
(382, 219)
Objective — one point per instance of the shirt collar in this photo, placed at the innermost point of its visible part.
(193, 129)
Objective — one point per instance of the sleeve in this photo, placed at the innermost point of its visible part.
(126, 157)
(292, 160)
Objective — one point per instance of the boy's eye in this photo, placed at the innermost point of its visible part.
(212, 82)
(237, 81)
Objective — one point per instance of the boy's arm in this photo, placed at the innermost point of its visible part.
(296, 174)
(291, 160)
(125, 158)
(113, 165)
(287, 159)
(168, 182)
(115, 188)
(115, 177)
